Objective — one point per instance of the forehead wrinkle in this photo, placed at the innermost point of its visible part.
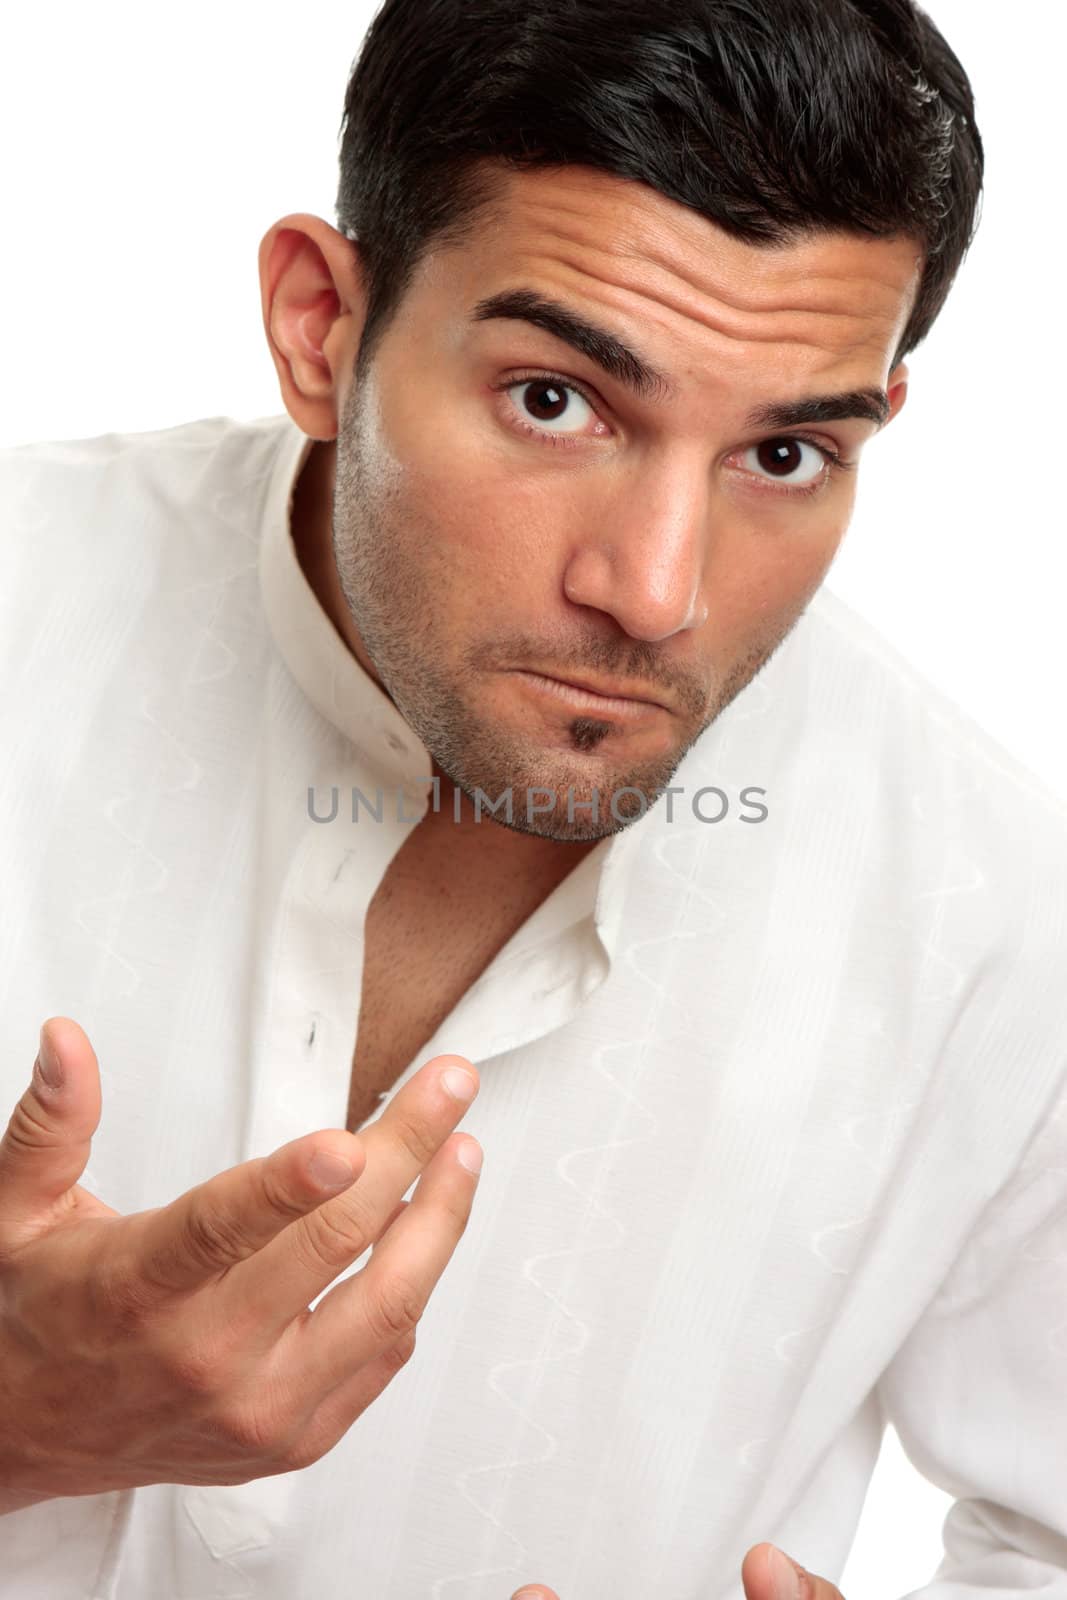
(771, 301)
(605, 215)
(644, 242)
(765, 334)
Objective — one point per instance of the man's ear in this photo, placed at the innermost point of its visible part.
(314, 307)
(897, 389)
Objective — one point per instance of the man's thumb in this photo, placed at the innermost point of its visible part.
(45, 1148)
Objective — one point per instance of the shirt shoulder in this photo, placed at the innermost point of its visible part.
(964, 846)
(78, 495)
(922, 742)
(887, 810)
(92, 529)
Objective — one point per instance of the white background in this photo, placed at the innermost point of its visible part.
(147, 149)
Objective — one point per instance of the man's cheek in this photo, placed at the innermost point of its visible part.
(499, 528)
(761, 586)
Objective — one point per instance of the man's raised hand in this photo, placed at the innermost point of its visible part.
(176, 1345)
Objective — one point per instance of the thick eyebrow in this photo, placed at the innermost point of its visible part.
(621, 362)
(605, 348)
(869, 405)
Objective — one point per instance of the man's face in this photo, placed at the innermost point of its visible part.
(507, 511)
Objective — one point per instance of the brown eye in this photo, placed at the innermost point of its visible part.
(544, 401)
(783, 459)
(555, 407)
(780, 456)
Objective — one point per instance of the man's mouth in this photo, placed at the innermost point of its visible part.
(584, 698)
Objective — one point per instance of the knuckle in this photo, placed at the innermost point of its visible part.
(420, 1138)
(400, 1354)
(28, 1131)
(311, 1445)
(393, 1309)
(277, 1195)
(196, 1370)
(334, 1233)
(253, 1434)
(212, 1239)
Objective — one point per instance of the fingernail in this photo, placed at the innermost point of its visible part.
(470, 1156)
(330, 1171)
(48, 1067)
(785, 1576)
(461, 1085)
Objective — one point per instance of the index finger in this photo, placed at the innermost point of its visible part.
(231, 1217)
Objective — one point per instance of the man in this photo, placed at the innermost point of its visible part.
(496, 681)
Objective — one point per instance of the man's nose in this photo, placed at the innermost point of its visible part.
(642, 558)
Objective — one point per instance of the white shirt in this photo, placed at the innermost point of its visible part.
(773, 1112)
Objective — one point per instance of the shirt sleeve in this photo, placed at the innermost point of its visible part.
(978, 1391)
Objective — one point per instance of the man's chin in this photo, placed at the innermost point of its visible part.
(576, 813)
(549, 793)
(582, 830)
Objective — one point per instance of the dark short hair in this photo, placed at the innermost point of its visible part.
(773, 118)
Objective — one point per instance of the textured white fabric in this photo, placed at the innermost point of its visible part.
(773, 1112)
